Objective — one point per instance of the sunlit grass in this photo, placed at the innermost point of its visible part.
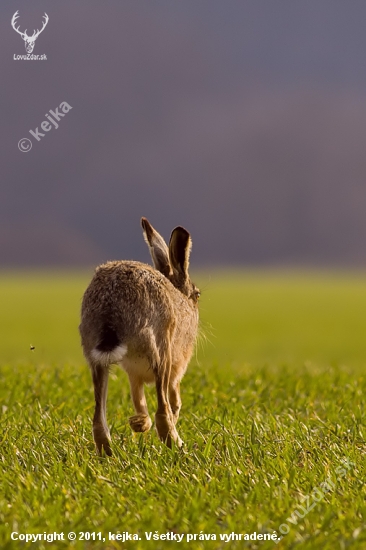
(272, 404)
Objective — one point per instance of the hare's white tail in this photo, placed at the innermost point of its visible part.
(115, 355)
(109, 349)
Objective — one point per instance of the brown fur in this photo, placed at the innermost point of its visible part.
(145, 319)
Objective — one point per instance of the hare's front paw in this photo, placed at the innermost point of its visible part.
(140, 422)
(178, 441)
(173, 436)
(167, 431)
(175, 414)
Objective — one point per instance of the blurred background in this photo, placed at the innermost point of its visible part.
(243, 121)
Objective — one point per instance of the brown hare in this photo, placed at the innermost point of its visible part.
(145, 319)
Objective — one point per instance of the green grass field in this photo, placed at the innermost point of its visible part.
(272, 419)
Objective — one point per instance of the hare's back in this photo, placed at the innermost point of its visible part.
(122, 299)
(126, 279)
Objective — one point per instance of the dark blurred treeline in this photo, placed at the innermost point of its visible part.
(243, 121)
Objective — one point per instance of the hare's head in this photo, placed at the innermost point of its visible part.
(172, 261)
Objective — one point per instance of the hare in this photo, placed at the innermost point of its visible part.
(145, 319)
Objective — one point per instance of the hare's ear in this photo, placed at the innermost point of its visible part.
(180, 245)
(158, 248)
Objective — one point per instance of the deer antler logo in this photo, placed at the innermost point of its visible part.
(29, 40)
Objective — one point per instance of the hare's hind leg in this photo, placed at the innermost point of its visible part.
(141, 421)
(100, 427)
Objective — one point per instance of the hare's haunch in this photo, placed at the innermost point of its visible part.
(145, 319)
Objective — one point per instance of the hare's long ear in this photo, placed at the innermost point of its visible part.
(158, 248)
(180, 245)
